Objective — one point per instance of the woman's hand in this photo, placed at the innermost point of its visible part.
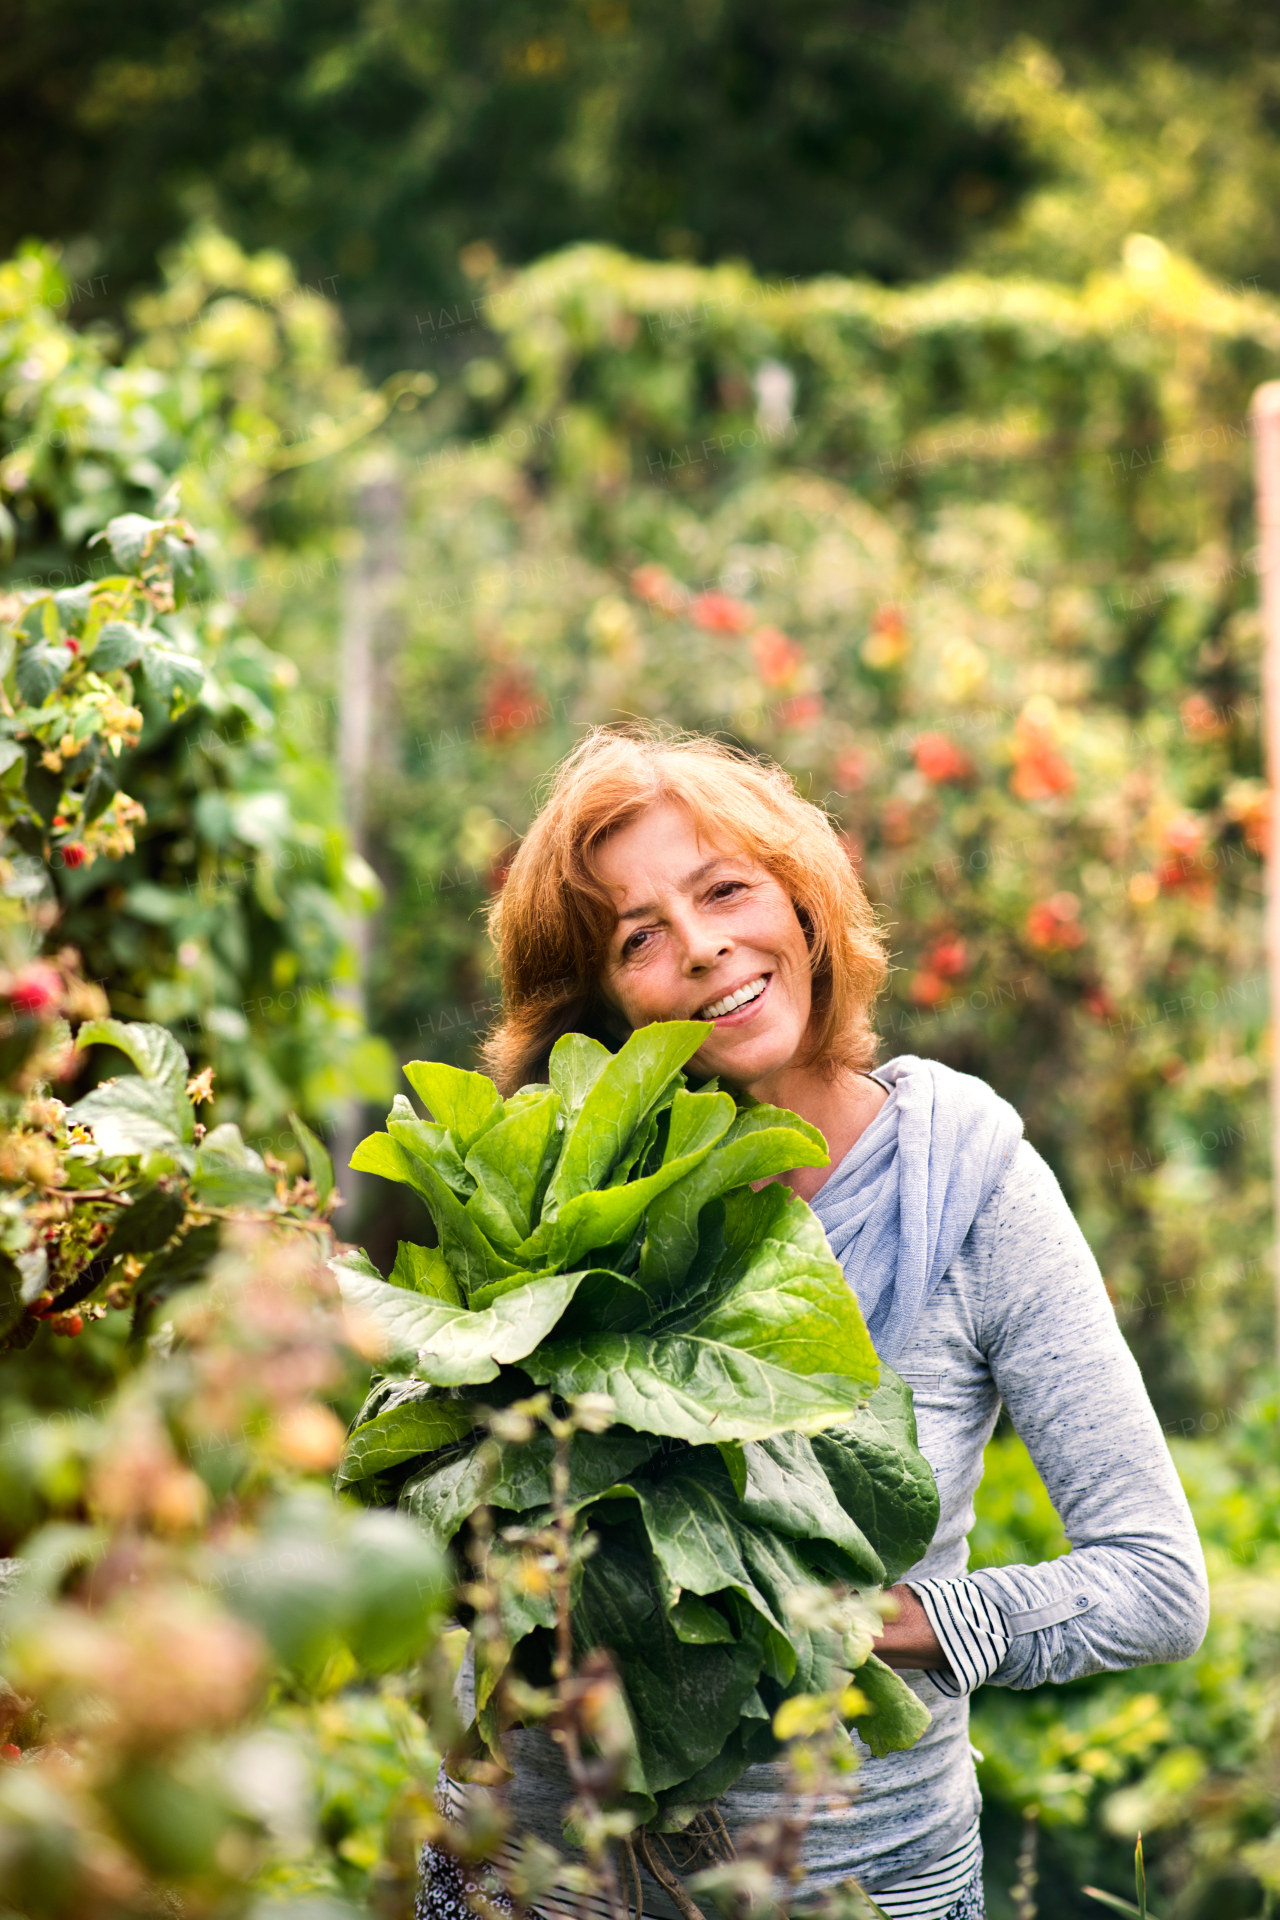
(908, 1640)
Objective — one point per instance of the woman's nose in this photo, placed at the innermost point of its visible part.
(703, 946)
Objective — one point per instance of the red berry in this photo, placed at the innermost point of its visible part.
(10, 1753)
(74, 853)
(72, 646)
(37, 989)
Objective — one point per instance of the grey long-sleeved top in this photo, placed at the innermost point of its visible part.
(1021, 1317)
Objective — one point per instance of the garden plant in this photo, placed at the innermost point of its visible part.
(606, 1237)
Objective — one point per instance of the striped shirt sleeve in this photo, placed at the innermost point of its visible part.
(971, 1631)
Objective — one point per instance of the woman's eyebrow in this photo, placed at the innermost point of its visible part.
(690, 881)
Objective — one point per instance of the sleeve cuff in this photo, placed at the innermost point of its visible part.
(970, 1628)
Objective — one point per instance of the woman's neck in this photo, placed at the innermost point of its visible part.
(841, 1107)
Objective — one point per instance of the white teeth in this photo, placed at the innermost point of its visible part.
(718, 1008)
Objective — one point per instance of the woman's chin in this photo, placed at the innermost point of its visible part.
(744, 1057)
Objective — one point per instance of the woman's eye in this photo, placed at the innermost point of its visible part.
(633, 944)
(726, 889)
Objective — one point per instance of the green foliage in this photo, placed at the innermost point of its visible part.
(802, 140)
(795, 138)
(638, 1273)
(171, 1548)
(112, 1202)
(1180, 1753)
(187, 827)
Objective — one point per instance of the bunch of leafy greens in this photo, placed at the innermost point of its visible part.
(600, 1235)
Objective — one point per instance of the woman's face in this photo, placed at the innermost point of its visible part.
(705, 934)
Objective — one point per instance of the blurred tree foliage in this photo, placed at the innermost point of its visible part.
(374, 143)
(974, 562)
(226, 912)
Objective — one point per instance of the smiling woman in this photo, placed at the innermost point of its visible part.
(647, 840)
(674, 879)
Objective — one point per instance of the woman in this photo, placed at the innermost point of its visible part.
(675, 879)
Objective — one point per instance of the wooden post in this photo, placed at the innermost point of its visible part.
(366, 644)
(1266, 427)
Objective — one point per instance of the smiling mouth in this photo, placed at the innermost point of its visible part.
(741, 997)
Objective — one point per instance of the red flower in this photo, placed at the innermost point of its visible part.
(777, 658)
(801, 710)
(852, 770)
(1185, 836)
(948, 958)
(655, 585)
(940, 759)
(926, 989)
(1052, 924)
(1040, 770)
(72, 646)
(37, 989)
(74, 853)
(721, 613)
(511, 706)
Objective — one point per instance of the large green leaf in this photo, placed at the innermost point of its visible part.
(601, 1219)
(787, 1490)
(474, 1258)
(425, 1270)
(792, 1306)
(695, 1529)
(132, 1115)
(152, 1049)
(697, 1120)
(784, 1345)
(507, 1164)
(426, 1141)
(174, 677)
(226, 1180)
(145, 1226)
(400, 1434)
(576, 1064)
(522, 1480)
(447, 1492)
(897, 1717)
(685, 1700)
(119, 644)
(39, 670)
(466, 1103)
(620, 1100)
(450, 1345)
(690, 1388)
(881, 1479)
(754, 1150)
(751, 1741)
